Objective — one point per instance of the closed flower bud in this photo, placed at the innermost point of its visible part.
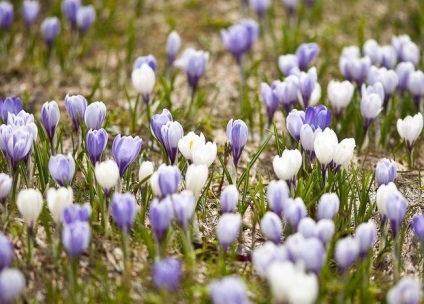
(229, 199)
(415, 85)
(371, 48)
(6, 183)
(344, 153)
(146, 170)
(270, 100)
(166, 274)
(18, 144)
(305, 53)
(418, 225)
(287, 64)
(165, 181)
(325, 230)
(204, 154)
(346, 252)
(50, 115)
(287, 92)
(307, 139)
(388, 56)
(107, 175)
(77, 213)
(124, 210)
(287, 166)
(318, 117)
(6, 252)
(10, 105)
(125, 149)
(150, 60)
(196, 178)
(62, 169)
(277, 195)
(403, 70)
(12, 284)
(340, 95)
(69, 10)
(172, 132)
(371, 106)
(272, 227)
(50, 29)
(328, 206)
(260, 6)
(230, 289)
(307, 227)
(410, 128)
(95, 114)
(294, 244)
(95, 143)
(237, 134)
(267, 254)
(160, 215)
(184, 205)
(296, 210)
(6, 15)
(143, 80)
(325, 145)
(194, 64)
(312, 254)
(295, 121)
(385, 172)
(30, 11)
(86, 15)
(30, 205)
(76, 106)
(76, 238)
(406, 291)
(228, 228)
(383, 194)
(58, 200)
(307, 85)
(366, 234)
(173, 45)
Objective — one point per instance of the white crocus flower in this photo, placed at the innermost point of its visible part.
(58, 200)
(196, 178)
(187, 143)
(30, 205)
(146, 169)
(204, 154)
(287, 166)
(344, 152)
(325, 146)
(107, 174)
(340, 94)
(143, 79)
(410, 128)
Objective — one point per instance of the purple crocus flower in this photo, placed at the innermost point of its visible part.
(328, 206)
(305, 53)
(172, 132)
(325, 230)
(277, 194)
(166, 180)
(184, 205)
(295, 120)
(371, 106)
(6, 15)
(95, 144)
(406, 291)
(173, 44)
(415, 86)
(395, 210)
(229, 199)
(228, 228)
(418, 225)
(50, 115)
(318, 117)
(62, 169)
(296, 210)
(10, 105)
(160, 215)
(76, 213)
(50, 28)
(228, 290)
(355, 68)
(194, 64)
(260, 7)
(159, 120)
(388, 78)
(125, 150)
(307, 83)
(76, 106)
(30, 11)
(346, 252)
(272, 227)
(312, 254)
(366, 234)
(5, 131)
(86, 15)
(76, 238)
(12, 284)
(6, 252)
(18, 144)
(166, 274)
(150, 60)
(270, 101)
(403, 70)
(237, 134)
(70, 9)
(385, 172)
(124, 210)
(239, 38)
(294, 244)
(287, 91)
(94, 115)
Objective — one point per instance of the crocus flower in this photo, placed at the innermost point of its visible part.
(6, 183)
(355, 68)
(365, 235)
(25, 120)
(227, 290)
(237, 134)
(295, 121)
(76, 213)
(58, 200)
(95, 143)
(371, 48)
(395, 210)
(172, 132)
(94, 115)
(166, 274)
(325, 145)
(388, 56)
(76, 238)
(388, 78)
(385, 172)
(196, 177)
(143, 79)
(293, 244)
(125, 150)
(6, 252)
(146, 170)
(160, 215)
(165, 181)
(328, 206)
(62, 169)
(325, 230)
(260, 7)
(346, 252)
(307, 227)
(30, 11)
(295, 211)
(312, 254)
(184, 205)
(173, 45)
(277, 195)
(272, 227)
(107, 175)
(287, 166)
(50, 28)
(291, 6)
(415, 86)
(229, 199)
(204, 153)
(228, 228)
(124, 210)
(194, 64)
(307, 85)
(159, 120)
(305, 53)
(287, 92)
(267, 254)
(12, 285)
(307, 139)
(239, 38)
(410, 129)
(406, 50)
(270, 101)
(418, 226)
(86, 15)
(343, 153)
(76, 106)
(406, 291)
(10, 105)
(70, 9)
(340, 95)
(18, 144)
(150, 60)
(403, 70)
(318, 117)
(30, 204)
(6, 15)
(371, 106)
(50, 115)
(288, 64)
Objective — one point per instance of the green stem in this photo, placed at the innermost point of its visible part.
(30, 243)
(189, 250)
(223, 264)
(396, 262)
(73, 280)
